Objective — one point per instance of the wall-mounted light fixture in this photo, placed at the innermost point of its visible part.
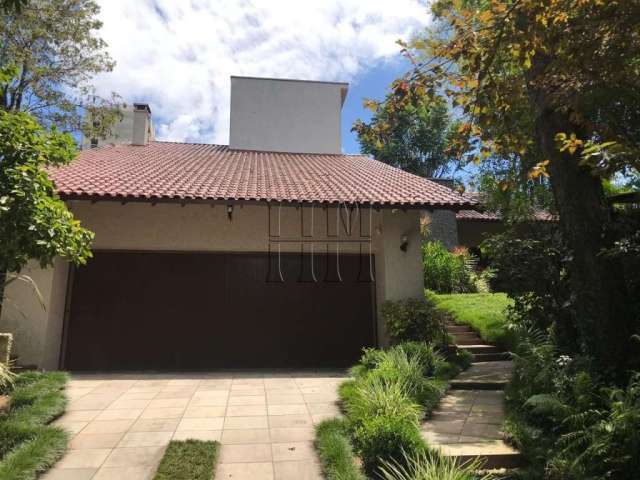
(404, 243)
(229, 211)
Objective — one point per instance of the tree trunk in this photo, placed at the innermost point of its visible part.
(598, 290)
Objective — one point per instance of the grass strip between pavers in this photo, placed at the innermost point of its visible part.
(29, 446)
(188, 459)
(335, 451)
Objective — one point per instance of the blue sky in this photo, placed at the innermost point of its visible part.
(179, 56)
(373, 84)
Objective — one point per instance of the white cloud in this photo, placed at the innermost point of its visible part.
(178, 55)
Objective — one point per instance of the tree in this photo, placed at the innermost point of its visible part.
(12, 5)
(412, 132)
(56, 50)
(34, 222)
(505, 187)
(555, 82)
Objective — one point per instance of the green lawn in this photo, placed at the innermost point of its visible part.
(189, 459)
(29, 445)
(484, 312)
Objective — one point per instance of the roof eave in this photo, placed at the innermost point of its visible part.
(222, 201)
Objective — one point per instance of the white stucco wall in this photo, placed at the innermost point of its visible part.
(199, 227)
(399, 273)
(35, 317)
(286, 115)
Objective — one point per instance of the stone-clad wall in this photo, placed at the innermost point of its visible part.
(440, 225)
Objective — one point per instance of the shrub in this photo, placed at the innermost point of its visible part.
(602, 442)
(531, 268)
(6, 378)
(385, 437)
(425, 353)
(421, 352)
(385, 421)
(414, 320)
(445, 271)
(410, 365)
(385, 403)
(335, 451)
(347, 392)
(431, 466)
(370, 359)
(423, 391)
(565, 419)
(376, 395)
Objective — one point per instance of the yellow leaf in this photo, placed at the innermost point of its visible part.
(540, 169)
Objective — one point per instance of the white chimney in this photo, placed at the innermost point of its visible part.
(278, 115)
(142, 126)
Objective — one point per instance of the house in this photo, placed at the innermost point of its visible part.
(475, 225)
(276, 250)
(128, 130)
(470, 227)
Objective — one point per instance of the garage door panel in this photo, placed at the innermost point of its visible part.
(186, 311)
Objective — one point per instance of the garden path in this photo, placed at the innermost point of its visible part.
(467, 424)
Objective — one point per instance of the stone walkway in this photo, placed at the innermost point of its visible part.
(121, 424)
(467, 423)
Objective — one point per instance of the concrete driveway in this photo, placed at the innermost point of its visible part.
(121, 424)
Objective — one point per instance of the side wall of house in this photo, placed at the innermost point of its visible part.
(171, 227)
(33, 309)
(441, 225)
(473, 232)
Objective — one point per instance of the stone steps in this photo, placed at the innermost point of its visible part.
(492, 375)
(458, 329)
(491, 357)
(490, 455)
(479, 348)
(467, 340)
(471, 385)
(466, 425)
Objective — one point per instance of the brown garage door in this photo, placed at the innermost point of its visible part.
(195, 311)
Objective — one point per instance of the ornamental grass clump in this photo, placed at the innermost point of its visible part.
(427, 465)
(385, 421)
(29, 444)
(333, 442)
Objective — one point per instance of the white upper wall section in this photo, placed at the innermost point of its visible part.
(286, 115)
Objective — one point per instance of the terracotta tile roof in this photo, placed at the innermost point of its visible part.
(192, 172)
(475, 215)
(485, 216)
